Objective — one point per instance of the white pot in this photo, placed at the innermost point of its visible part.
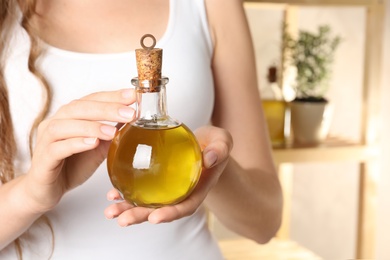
(310, 121)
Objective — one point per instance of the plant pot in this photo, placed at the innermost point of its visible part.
(310, 121)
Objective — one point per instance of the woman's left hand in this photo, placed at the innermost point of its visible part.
(216, 144)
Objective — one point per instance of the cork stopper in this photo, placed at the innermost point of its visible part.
(149, 62)
(272, 74)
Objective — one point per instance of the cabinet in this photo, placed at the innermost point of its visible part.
(365, 151)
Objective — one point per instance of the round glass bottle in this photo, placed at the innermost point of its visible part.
(274, 108)
(154, 160)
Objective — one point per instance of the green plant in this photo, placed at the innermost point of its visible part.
(312, 54)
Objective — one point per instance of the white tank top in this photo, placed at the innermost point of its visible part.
(80, 228)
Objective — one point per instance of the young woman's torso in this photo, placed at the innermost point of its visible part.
(99, 26)
(90, 47)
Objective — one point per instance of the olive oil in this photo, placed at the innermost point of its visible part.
(274, 108)
(155, 160)
(274, 111)
(154, 166)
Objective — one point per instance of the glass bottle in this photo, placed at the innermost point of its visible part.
(154, 160)
(274, 108)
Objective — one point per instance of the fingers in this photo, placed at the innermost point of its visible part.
(64, 129)
(96, 110)
(124, 96)
(109, 106)
(116, 209)
(113, 195)
(63, 138)
(170, 213)
(128, 214)
(77, 125)
(133, 216)
(217, 144)
(72, 143)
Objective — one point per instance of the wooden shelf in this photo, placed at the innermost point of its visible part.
(276, 249)
(332, 150)
(321, 2)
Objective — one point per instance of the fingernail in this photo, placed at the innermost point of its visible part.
(127, 113)
(90, 140)
(154, 220)
(124, 224)
(108, 130)
(113, 198)
(210, 158)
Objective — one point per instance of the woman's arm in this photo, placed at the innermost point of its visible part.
(247, 197)
(15, 215)
(70, 146)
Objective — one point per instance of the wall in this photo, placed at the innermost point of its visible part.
(383, 231)
(325, 195)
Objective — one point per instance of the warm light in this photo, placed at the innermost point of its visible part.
(288, 82)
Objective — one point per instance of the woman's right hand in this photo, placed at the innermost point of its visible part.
(72, 143)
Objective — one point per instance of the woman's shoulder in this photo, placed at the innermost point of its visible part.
(222, 7)
(222, 14)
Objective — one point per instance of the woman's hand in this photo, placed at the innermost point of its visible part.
(216, 144)
(72, 143)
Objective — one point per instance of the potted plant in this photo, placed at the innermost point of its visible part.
(312, 54)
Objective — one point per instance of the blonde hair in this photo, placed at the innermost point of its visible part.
(7, 140)
(8, 17)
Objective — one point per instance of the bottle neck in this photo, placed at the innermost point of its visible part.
(151, 104)
(272, 91)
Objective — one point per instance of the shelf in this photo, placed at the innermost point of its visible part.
(331, 150)
(321, 2)
(276, 249)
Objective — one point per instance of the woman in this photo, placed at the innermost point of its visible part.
(66, 73)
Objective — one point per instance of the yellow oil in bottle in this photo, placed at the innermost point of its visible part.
(274, 111)
(274, 108)
(155, 166)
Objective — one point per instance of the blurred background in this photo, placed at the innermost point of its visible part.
(324, 195)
